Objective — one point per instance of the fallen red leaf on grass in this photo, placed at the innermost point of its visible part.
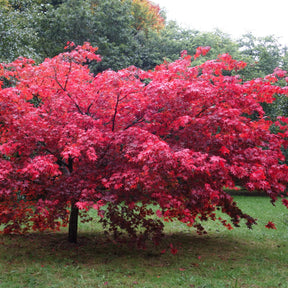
(182, 269)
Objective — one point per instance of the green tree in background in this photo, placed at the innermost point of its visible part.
(262, 53)
(17, 35)
(174, 39)
(109, 24)
(127, 32)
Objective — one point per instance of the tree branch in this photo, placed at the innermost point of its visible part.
(67, 77)
(115, 112)
(136, 121)
(68, 94)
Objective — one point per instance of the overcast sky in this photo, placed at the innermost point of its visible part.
(261, 17)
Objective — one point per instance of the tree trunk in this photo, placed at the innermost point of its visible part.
(73, 224)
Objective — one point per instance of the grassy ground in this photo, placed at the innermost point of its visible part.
(238, 258)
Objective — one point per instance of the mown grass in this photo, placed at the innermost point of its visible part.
(238, 258)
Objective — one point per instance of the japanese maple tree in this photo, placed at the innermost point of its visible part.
(174, 136)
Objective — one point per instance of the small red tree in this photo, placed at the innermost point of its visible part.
(174, 136)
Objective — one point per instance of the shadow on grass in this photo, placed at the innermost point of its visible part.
(96, 248)
(221, 260)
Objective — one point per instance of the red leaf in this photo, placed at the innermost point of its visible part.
(173, 249)
(202, 51)
(159, 213)
(83, 205)
(224, 150)
(285, 202)
(270, 225)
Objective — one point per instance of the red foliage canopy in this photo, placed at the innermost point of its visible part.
(174, 136)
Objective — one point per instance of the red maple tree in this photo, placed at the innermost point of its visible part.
(174, 136)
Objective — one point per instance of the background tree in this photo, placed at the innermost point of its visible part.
(109, 24)
(17, 36)
(127, 33)
(178, 39)
(147, 16)
(263, 54)
(4, 4)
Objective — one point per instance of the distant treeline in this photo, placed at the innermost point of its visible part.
(127, 32)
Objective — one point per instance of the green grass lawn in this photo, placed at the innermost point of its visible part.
(237, 258)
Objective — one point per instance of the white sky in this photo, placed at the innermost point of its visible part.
(261, 17)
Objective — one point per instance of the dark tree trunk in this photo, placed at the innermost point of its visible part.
(73, 224)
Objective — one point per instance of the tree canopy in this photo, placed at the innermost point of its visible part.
(175, 136)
